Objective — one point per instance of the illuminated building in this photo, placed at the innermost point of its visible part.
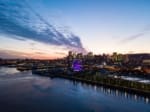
(70, 59)
(77, 65)
(117, 57)
(79, 56)
(90, 55)
(146, 66)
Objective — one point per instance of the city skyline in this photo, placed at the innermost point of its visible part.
(49, 29)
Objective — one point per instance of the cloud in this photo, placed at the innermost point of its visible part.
(133, 37)
(60, 53)
(39, 53)
(136, 36)
(21, 21)
(12, 54)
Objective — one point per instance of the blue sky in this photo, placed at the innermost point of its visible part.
(101, 26)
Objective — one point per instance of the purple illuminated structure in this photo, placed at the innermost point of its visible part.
(77, 65)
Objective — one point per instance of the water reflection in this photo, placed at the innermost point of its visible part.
(35, 93)
(43, 84)
(115, 92)
(7, 71)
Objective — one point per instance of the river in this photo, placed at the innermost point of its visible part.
(25, 92)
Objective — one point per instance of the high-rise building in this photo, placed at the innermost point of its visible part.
(117, 57)
(90, 55)
(70, 59)
(79, 56)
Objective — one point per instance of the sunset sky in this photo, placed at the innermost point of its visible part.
(48, 29)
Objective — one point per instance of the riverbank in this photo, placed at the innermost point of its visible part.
(34, 93)
(101, 80)
(129, 90)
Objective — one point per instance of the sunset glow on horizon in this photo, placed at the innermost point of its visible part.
(48, 29)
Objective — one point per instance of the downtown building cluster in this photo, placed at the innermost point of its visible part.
(116, 61)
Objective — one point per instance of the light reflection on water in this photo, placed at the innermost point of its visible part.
(142, 80)
(7, 71)
(118, 93)
(24, 91)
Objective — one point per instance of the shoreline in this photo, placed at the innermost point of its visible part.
(130, 90)
(121, 88)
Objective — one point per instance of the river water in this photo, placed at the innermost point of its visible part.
(25, 92)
